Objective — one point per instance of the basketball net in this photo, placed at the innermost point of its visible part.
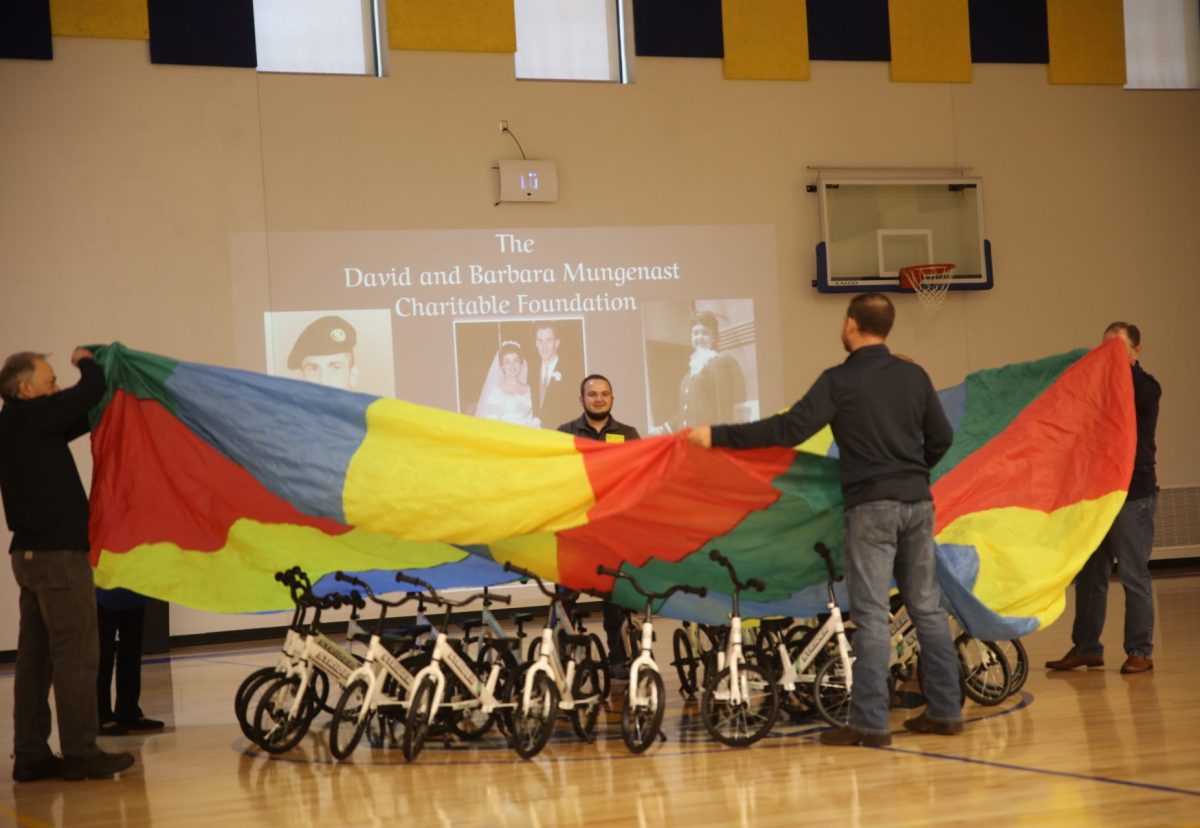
(931, 283)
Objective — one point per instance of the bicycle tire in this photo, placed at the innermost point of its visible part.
(471, 724)
(983, 670)
(799, 702)
(586, 689)
(743, 724)
(641, 724)
(416, 726)
(319, 685)
(1018, 663)
(685, 662)
(275, 729)
(249, 693)
(534, 722)
(350, 721)
(600, 658)
(831, 696)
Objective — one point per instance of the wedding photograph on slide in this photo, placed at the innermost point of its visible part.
(701, 363)
(525, 372)
(346, 349)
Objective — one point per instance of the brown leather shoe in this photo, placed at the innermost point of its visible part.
(845, 736)
(1137, 664)
(1073, 659)
(924, 724)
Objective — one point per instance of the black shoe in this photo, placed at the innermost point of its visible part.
(113, 729)
(619, 670)
(142, 724)
(31, 770)
(844, 736)
(99, 765)
(924, 724)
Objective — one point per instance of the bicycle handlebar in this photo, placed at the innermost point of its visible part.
(408, 579)
(754, 583)
(823, 550)
(701, 592)
(509, 566)
(350, 579)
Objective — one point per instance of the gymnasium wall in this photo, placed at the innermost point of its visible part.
(123, 184)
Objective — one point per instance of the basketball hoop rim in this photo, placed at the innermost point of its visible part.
(911, 276)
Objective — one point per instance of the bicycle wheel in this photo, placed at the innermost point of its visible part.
(350, 719)
(472, 723)
(599, 656)
(831, 695)
(983, 670)
(641, 720)
(420, 714)
(587, 690)
(276, 730)
(685, 662)
(745, 722)
(800, 701)
(534, 722)
(249, 693)
(319, 686)
(1018, 663)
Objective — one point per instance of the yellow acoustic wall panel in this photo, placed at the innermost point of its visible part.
(120, 19)
(1087, 41)
(931, 40)
(452, 25)
(765, 39)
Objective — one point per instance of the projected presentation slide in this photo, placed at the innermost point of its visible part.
(505, 324)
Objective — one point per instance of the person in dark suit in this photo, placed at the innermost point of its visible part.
(554, 399)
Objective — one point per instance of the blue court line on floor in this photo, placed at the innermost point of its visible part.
(1108, 780)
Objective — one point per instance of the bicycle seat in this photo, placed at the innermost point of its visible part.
(576, 640)
(399, 644)
(776, 624)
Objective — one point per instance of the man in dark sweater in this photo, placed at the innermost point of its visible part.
(890, 431)
(1129, 541)
(47, 510)
(597, 423)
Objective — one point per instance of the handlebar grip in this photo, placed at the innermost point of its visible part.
(604, 570)
(718, 557)
(503, 599)
(408, 579)
(333, 601)
(756, 585)
(341, 576)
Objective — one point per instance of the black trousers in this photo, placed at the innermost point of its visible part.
(614, 624)
(120, 644)
(56, 646)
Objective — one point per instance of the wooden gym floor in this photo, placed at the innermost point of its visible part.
(1087, 748)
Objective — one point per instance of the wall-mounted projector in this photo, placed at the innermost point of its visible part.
(528, 181)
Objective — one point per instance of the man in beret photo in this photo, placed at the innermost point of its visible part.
(324, 353)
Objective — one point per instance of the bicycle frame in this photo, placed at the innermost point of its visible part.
(548, 663)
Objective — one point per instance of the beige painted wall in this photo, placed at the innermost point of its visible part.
(121, 182)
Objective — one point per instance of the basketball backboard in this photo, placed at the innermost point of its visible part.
(872, 227)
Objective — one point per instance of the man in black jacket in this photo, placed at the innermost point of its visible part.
(890, 431)
(47, 510)
(597, 423)
(1129, 542)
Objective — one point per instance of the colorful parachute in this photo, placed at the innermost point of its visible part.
(207, 481)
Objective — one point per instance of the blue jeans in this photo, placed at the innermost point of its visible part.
(1129, 542)
(886, 538)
